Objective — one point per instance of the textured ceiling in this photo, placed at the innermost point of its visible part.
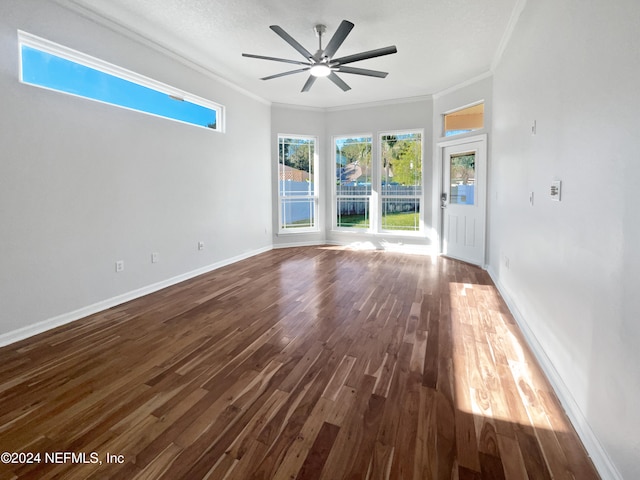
(441, 43)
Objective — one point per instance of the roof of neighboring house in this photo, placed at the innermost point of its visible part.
(351, 172)
(290, 173)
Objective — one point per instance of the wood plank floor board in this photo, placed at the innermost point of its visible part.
(299, 363)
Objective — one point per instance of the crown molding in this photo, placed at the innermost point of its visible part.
(115, 26)
(293, 106)
(464, 84)
(506, 37)
(354, 106)
(381, 103)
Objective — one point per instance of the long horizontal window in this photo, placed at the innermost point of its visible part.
(51, 66)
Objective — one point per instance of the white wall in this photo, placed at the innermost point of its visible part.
(406, 114)
(291, 120)
(84, 184)
(475, 91)
(573, 67)
(461, 96)
(409, 114)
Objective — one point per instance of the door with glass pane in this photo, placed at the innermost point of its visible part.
(463, 199)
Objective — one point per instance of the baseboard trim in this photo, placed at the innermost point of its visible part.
(299, 244)
(595, 450)
(57, 321)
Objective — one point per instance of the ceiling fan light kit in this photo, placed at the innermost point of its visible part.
(320, 70)
(322, 63)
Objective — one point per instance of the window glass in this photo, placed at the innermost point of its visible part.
(57, 72)
(401, 185)
(353, 181)
(296, 183)
(464, 120)
(463, 179)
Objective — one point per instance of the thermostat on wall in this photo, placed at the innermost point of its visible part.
(555, 190)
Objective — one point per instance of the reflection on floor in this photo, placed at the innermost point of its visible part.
(309, 362)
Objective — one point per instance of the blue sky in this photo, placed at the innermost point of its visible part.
(47, 70)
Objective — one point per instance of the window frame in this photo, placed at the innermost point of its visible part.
(369, 198)
(315, 197)
(382, 196)
(455, 133)
(376, 197)
(69, 54)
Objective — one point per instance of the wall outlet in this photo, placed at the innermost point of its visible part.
(531, 198)
(119, 265)
(506, 262)
(200, 245)
(154, 257)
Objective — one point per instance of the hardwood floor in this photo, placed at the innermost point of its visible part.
(305, 363)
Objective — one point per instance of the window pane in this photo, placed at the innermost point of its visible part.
(401, 164)
(353, 166)
(297, 213)
(296, 166)
(352, 212)
(463, 175)
(401, 214)
(50, 71)
(465, 120)
(401, 178)
(296, 186)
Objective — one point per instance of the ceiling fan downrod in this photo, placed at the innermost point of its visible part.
(319, 30)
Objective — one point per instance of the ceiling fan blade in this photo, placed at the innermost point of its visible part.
(284, 74)
(308, 83)
(339, 82)
(379, 52)
(337, 39)
(291, 41)
(362, 71)
(262, 57)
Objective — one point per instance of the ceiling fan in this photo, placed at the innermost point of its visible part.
(322, 63)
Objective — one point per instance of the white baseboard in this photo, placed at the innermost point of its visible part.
(40, 327)
(596, 451)
(299, 244)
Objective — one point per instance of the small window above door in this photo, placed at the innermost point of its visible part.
(464, 120)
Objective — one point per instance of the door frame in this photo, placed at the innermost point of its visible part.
(437, 210)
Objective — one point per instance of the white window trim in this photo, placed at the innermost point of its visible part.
(67, 53)
(334, 191)
(315, 197)
(404, 233)
(375, 199)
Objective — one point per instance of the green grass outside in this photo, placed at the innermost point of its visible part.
(392, 221)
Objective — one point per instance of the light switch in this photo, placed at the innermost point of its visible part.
(556, 187)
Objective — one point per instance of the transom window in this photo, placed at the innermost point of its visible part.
(464, 120)
(54, 67)
(297, 190)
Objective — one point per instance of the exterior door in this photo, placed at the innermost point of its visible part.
(463, 198)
